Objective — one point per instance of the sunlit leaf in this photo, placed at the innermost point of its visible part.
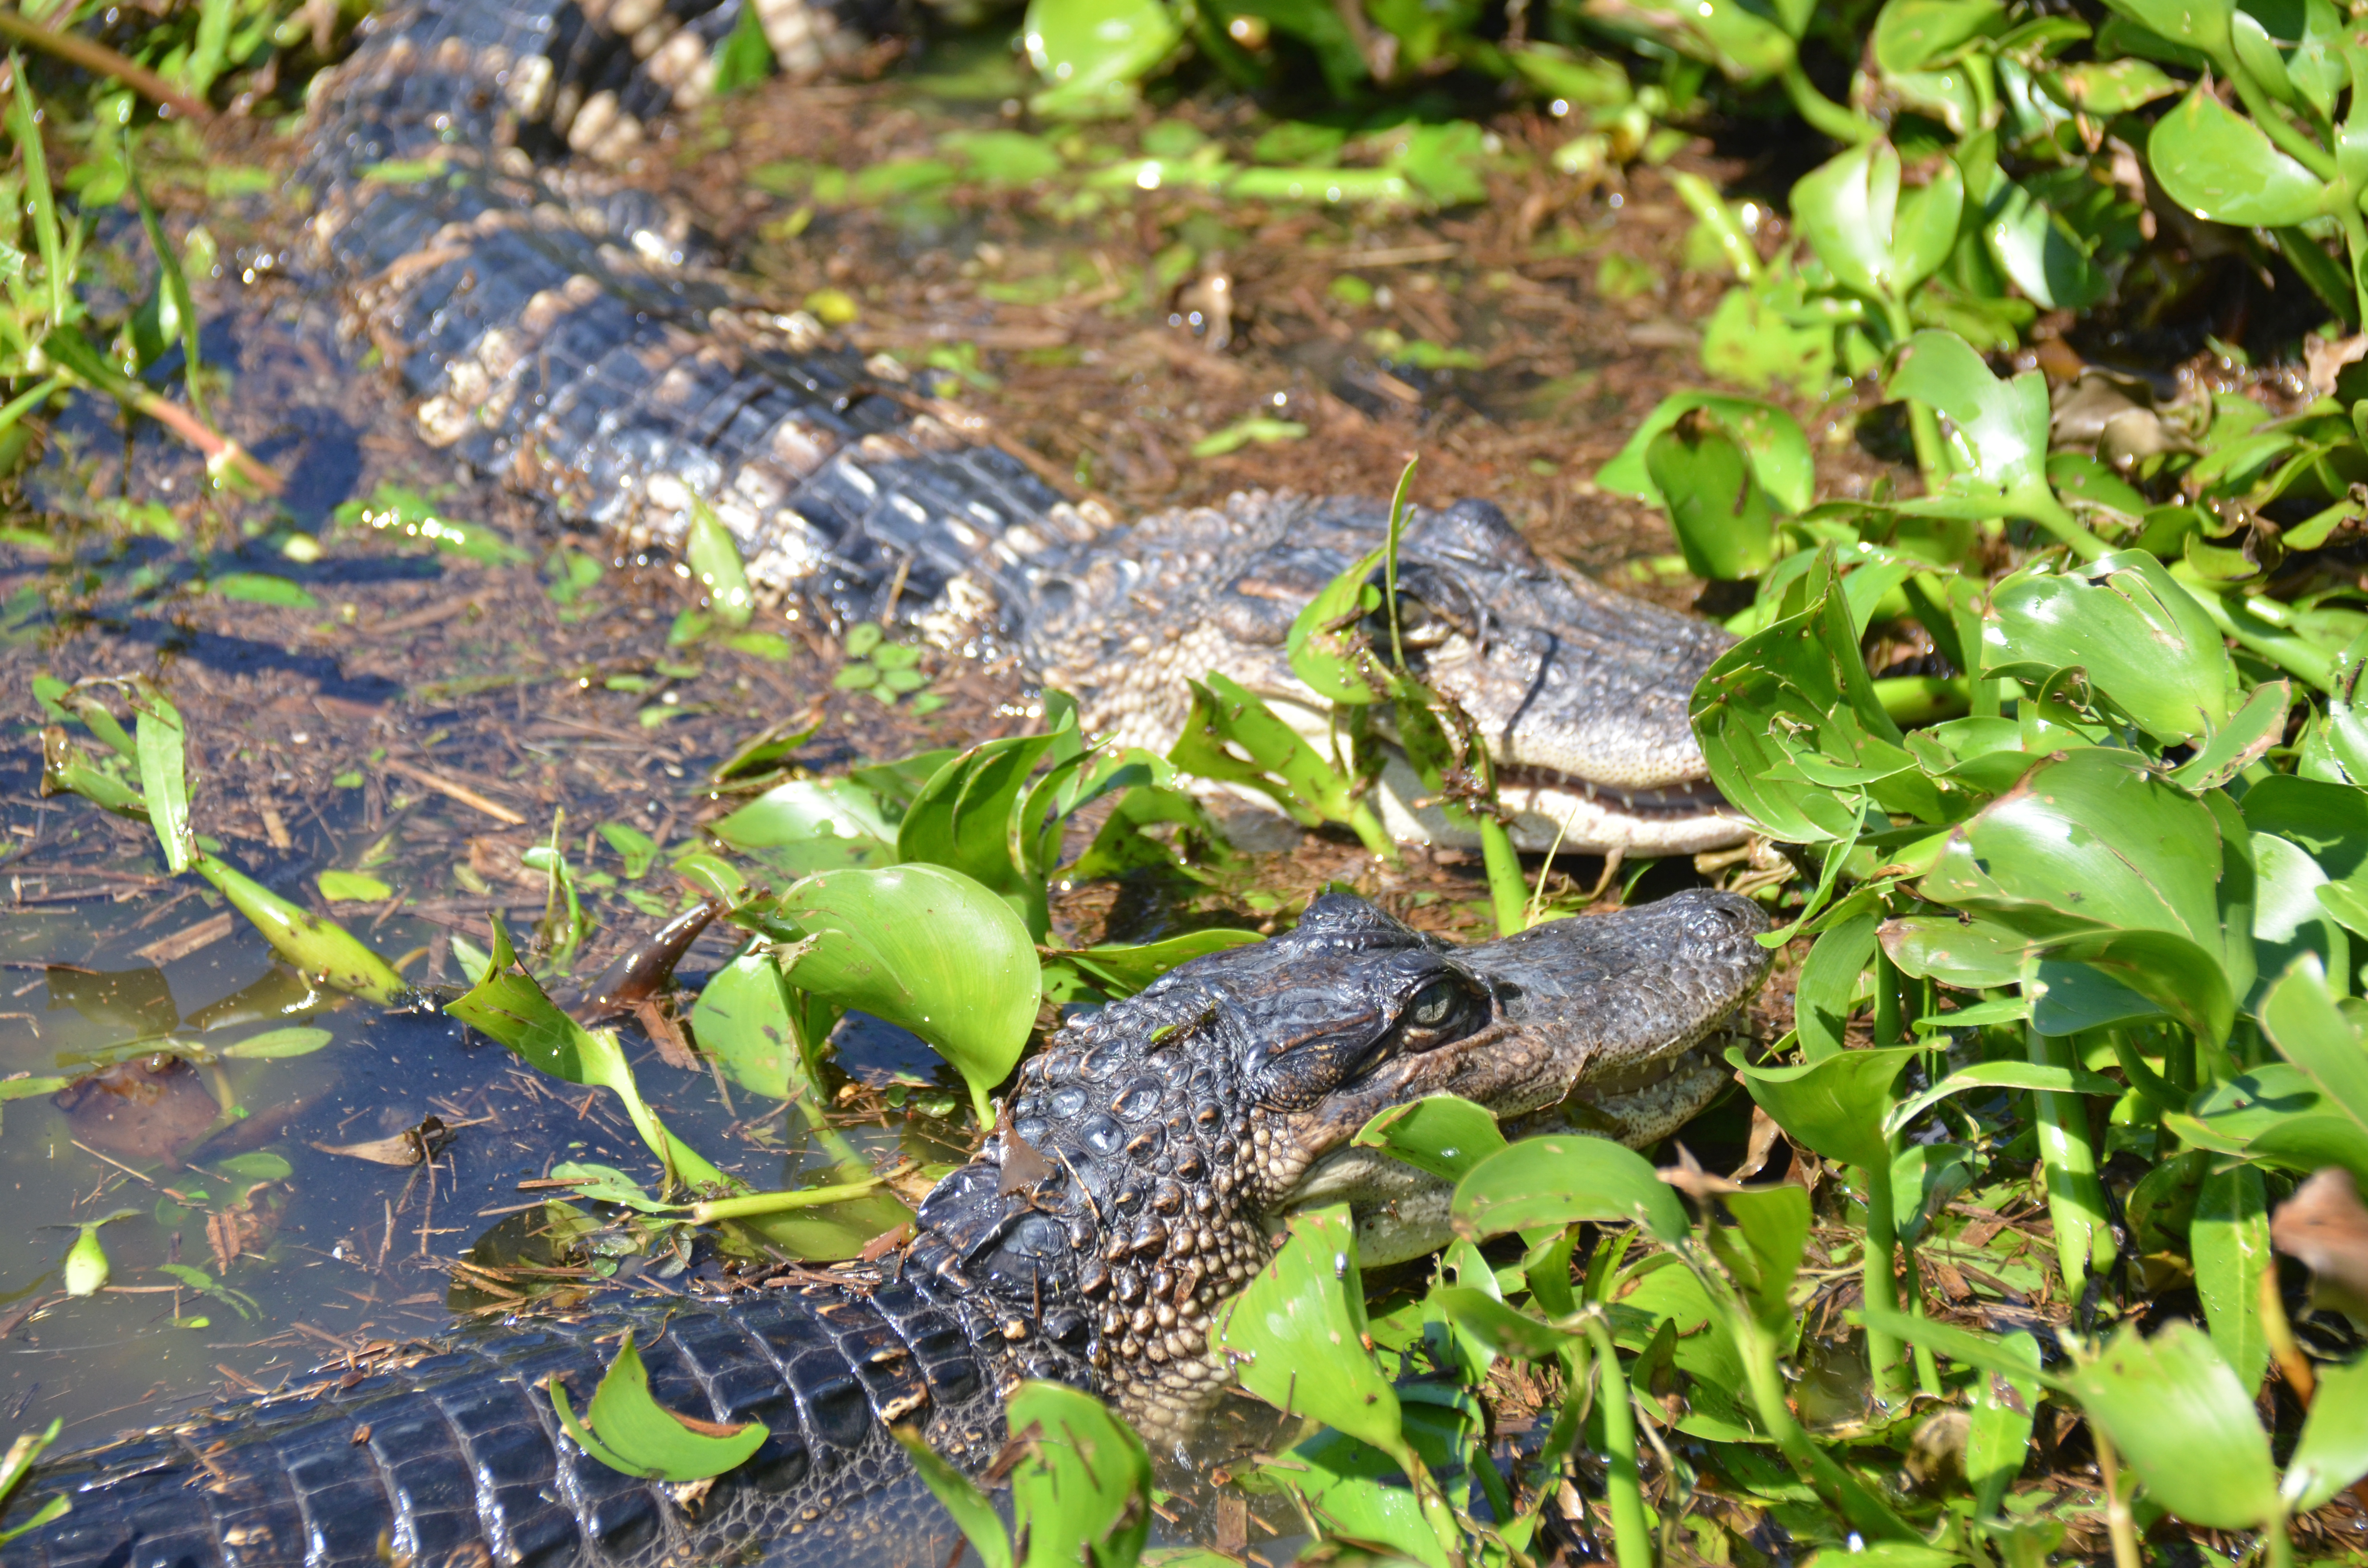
(629, 1431)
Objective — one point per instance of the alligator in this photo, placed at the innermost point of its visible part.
(1138, 1164)
(579, 338)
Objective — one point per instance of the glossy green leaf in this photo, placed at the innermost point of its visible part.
(1443, 1134)
(2184, 1423)
(2040, 253)
(1553, 1181)
(2108, 88)
(15, 1466)
(1762, 1249)
(1082, 1493)
(1850, 210)
(1780, 461)
(746, 1018)
(1823, 999)
(1091, 54)
(1997, 1433)
(163, 779)
(2229, 1241)
(2247, 736)
(1504, 1330)
(273, 1045)
(2197, 24)
(1723, 520)
(1909, 34)
(1296, 1335)
(2219, 166)
(928, 949)
(1124, 969)
(967, 817)
(349, 886)
(2000, 428)
(713, 557)
(1836, 1106)
(2309, 1030)
(2002, 1075)
(629, 1431)
(974, 1513)
(811, 825)
(2143, 641)
(321, 949)
(1973, 952)
(1327, 651)
(2333, 1452)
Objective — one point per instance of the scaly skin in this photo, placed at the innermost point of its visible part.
(1145, 1158)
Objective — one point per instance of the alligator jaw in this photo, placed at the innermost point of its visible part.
(1614, 1024)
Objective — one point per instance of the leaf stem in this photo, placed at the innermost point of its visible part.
(1834, 1486)
(1505, 889)
(1882, 1286)
(2291, 141)
(2120, 1523)
(1822, 113)
(756, 1203)
(1632, 1532)
(2076, 1200)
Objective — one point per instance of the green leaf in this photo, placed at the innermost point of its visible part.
(507, 1006)
(2143, 641)
(274, 1045)
(1723, 520)
(1083, 1493)
(2197, 24)
(1830, 977)
(1504, 1330)
(637, 849)
(928, 949)
(1091, 54)
(1123, 969)
(1780, 459)
(972, 1513)
(1296, 1332)
(1259, 428)
(2039, 251)
(1999, 440)
(2029, 1076)
(1553, 1181)
(164, 781)
(745, 1018)
(19, 1463)
(2302, 1021)
(967, 817)
(1997, 1435)
(322, 950)
(2108, 88)
(2229, 1240)
(811, 825)
(352, 886)
(260, 588)
(744, 57)
(1443, 1134)
(1762, 1250)
(2333, 1452)
(629, 1431)
(713, 556)
(1845, 209)
(2183, 1422)
(2219, 166)
(1836, 1106)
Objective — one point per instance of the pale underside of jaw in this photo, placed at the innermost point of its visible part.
(1553, 810)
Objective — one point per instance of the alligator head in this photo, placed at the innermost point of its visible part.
(1579, 693)
(1142, 1158)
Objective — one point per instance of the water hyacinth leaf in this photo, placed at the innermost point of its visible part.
(2142, 638)
(322, 950)
(274, 1045)
(1780, 459)
(1725, 522)
(510, 1008)
(1082, 1494)
(1327, 651)
(2038, 251)
(637, 849)
(351, 887)
(1443, 1134)
(2309, 1030)
(2333, 1452)
(16, 1465)
(2107, 88)
(2229, 1241)
(744, 1019)
(2242, 741)
(2164, 972)
(1503, 1329)
(1762, 1249)
(1975, 953)
(163, 778)
(2220, 165)
(629, 1432)
(1822, 1002)
(713, 557)
(607, 1184)
(927, 948)
(2026, 1075)
(2001, 426)
(811, 825)
(1835, 1106)
(2183, 1422)
(1846, 208)
(972, 1513)
(1092, 52)
(1122, 970)
(1297, 1334)
(1553, 1181)
(67, 769)
(1997, 1435)
(2093, 838)
(966, 817)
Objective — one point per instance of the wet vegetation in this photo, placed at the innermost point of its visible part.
(571, 923)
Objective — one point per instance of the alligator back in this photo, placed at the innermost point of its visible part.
(455, 1460)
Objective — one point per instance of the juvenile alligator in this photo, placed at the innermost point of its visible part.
(577, 337)
(1162, 1137)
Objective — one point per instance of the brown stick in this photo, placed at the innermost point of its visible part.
(99, 59)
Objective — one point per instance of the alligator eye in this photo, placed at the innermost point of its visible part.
(1434, 1005)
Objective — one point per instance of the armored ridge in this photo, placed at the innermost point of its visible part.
(1148, 1150)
